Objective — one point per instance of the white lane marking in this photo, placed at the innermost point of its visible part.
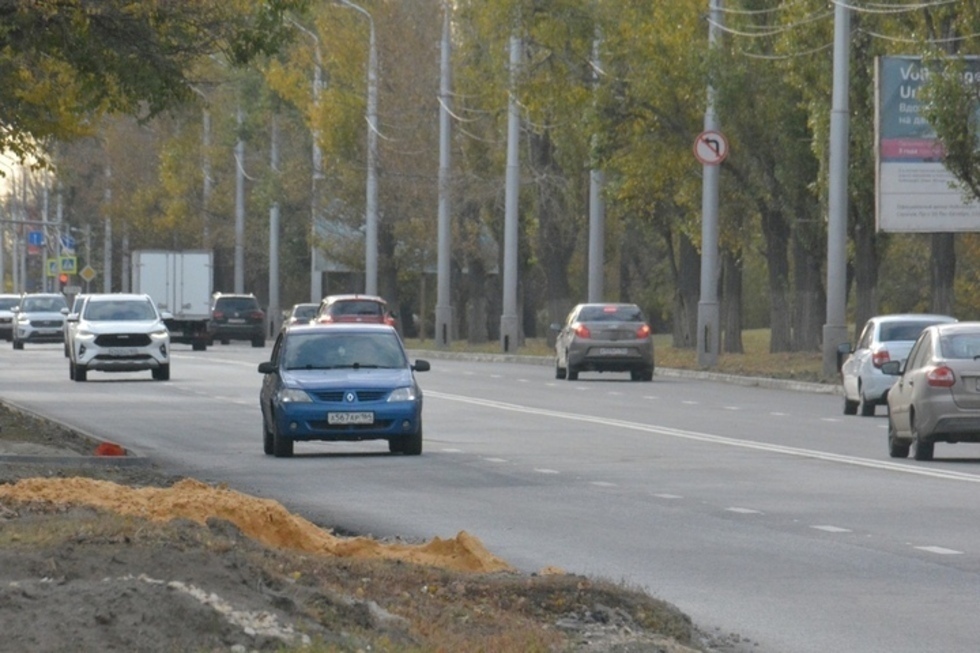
(829, 419)
(496, 376)
(715, 439)
(448, 450)
(522, 380)
(668, 496)
(832, 529)
(744, 511)
(689, 402)
(614, 394)
(779, 414)
(939, 550)
(495, 460)
(732, 408)
(603, 484)
(650, 397)
(544, 470)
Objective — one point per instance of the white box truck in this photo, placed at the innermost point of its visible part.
(180, 282)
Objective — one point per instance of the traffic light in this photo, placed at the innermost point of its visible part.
(62, 281)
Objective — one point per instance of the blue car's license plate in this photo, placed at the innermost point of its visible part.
(350, 418)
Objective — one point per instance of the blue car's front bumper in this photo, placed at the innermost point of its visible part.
(311, 421)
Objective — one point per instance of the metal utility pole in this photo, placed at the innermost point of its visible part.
(107, 245)
(597, 210)
(240, 208)
(275, 312)
(444, 309)
(835, 330)
(509, 332)
(709, 323)
(371, 201)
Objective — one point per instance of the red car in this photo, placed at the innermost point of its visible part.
(354, 308)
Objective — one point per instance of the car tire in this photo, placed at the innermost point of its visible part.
(412, 445)
(198, 345)
(896, 448)
(225, 341)
(67, 352)
(572, 373)
(81, 374)
(71, 370)
(921, 450)
(282, 447)
(258, 342)
(850, 407)
(162, 373)
(18, 344)
(268, 440)
(647, 375)
(867, 408)
(560, 372)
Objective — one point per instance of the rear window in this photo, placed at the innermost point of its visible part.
(901, 331)
(961, 345)
(236, 304)
(610, 314)
(355, 307)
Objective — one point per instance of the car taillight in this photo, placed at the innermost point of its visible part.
(941, 377)
(324, 319)
(257, 315)
(643, 332)
(582, 331)
(218, 315)
(880, 357)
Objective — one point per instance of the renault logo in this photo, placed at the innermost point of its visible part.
(349, 398)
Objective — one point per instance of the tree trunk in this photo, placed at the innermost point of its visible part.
(731, 301)
(685, 268)
(810, 309)
(942, 270)
(865, 275)
(476, 309)
(776, 232)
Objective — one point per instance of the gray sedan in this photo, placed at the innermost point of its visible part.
(604, 338)
(936, 397)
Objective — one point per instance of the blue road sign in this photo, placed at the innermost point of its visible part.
(35, 238)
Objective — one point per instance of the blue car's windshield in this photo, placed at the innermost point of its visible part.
(323, 350)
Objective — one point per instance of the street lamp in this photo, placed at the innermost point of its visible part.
(371, 203)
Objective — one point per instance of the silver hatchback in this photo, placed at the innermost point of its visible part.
(604, 338)
(936, 397)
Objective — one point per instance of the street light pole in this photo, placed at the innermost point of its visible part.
(371, 201)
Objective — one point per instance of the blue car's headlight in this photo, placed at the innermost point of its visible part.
(403, 394)
(293, 396)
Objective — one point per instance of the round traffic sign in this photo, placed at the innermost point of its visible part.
(711, 147)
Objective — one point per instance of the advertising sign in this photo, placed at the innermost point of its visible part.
(915, 191)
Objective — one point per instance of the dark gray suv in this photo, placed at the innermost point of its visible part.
(236, 317)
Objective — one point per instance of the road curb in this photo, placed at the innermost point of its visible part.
(667, 372)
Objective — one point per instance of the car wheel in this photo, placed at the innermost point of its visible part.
(850, 407)
(867, 407)
(81, 374)
(198, 345)
(572, 373)
(71, 370)
(162, 373)
(896, 448)
(225, 341)
(268, 440)
(258, 342)
(282, 447)
(18, 344)
(921, 450)
(412, 445)
(647, 375)
(67, 352)
(396, 445)
(560, 371)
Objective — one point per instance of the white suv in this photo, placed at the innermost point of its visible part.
(119, 333)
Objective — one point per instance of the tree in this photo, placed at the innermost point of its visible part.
(64, 63)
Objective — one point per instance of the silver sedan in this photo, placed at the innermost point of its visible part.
(936, 397)
(604, 338)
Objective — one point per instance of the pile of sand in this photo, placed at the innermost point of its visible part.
(263, 520)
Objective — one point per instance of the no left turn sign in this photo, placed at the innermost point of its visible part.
(711, 147)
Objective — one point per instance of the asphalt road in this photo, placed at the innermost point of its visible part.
(758, 511)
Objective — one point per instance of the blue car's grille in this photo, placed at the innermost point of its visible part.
(378, 425)
(338, 396)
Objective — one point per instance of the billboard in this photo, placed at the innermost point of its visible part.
(914, 190)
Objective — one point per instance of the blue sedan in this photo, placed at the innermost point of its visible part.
(340, 382)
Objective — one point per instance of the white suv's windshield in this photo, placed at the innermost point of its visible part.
(118, 310)
(43, 304)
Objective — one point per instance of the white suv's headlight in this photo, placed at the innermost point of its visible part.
(402, 394)
(159, 333)
(293, 396)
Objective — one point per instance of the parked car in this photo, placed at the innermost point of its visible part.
(119, 332)
(604, 338)
(354, 308)
(70, 324)
(340, 382)
(884, 338)
(302, 313)
(936, 395)
(7, 305)
(236, 317)
(40, 317)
